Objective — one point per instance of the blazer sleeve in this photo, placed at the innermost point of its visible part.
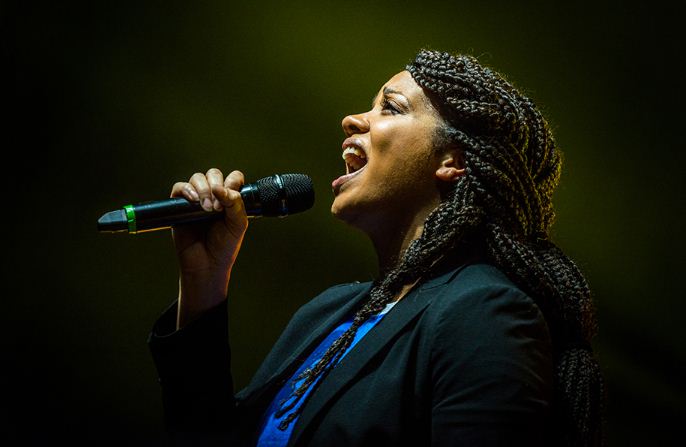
(194, 370)
(491, 371)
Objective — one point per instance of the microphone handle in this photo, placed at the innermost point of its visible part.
(163, 214)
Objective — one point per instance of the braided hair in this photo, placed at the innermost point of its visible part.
(504, 202)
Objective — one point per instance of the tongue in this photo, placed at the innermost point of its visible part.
(336, 184)
(339, 181)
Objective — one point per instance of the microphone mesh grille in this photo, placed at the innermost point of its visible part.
(297, 194)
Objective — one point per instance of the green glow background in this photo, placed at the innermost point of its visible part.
(112, 102)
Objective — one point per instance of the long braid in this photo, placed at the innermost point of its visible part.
(515, 166)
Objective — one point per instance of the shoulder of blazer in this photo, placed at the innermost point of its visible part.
(478, 279)
(483, 275)
(479, 298)
(473, 291)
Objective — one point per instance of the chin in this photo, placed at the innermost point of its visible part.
(343, 211)
(361, 216)
(338, 209)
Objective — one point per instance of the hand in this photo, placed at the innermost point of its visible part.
(207, 250)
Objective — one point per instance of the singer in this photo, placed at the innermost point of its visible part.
(477, 330)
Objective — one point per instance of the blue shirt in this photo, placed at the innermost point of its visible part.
(270, 435)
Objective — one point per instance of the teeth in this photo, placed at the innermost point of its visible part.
(353, 150)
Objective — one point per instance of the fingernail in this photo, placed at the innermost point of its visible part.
(207, 204)
(190, 192)
(217, 205)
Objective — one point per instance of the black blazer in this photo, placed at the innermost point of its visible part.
(462, 360)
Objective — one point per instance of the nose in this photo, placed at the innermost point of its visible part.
(355, 124)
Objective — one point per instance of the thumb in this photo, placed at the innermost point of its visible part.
(231, 201)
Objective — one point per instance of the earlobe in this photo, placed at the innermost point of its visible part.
(450, 170)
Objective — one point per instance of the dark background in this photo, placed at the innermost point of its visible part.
(112, 102)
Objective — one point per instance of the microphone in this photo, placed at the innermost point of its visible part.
(275, 196)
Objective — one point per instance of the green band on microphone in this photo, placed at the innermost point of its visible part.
(130, 218)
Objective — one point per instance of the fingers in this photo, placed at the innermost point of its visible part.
(183, 189)
(229, 193)
(211, 189)
(235, 180)
(225, 191)
(215, 180)
(201, 185)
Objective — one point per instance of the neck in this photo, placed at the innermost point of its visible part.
(390, 247)
(391, 241)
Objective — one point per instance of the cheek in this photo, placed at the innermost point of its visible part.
(407, 176)
(383, 135)
(395, 146)
(403, 154)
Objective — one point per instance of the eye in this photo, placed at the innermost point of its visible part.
(388, 106)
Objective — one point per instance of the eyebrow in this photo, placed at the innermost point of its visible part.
(390, 91)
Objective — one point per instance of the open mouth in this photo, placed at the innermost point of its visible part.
(355, 159)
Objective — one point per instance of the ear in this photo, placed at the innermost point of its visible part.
(451, 165)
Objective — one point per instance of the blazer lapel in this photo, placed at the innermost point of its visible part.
(303, 349)
(304, 346)
(404, 312)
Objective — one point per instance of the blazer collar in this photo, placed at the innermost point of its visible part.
(402, 314)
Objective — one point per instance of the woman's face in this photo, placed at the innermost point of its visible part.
(391, 162)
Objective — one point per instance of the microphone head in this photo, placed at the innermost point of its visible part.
(284, 194)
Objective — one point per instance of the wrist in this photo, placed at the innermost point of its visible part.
(200, 291)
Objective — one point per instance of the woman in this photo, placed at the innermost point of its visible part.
(477, 331)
